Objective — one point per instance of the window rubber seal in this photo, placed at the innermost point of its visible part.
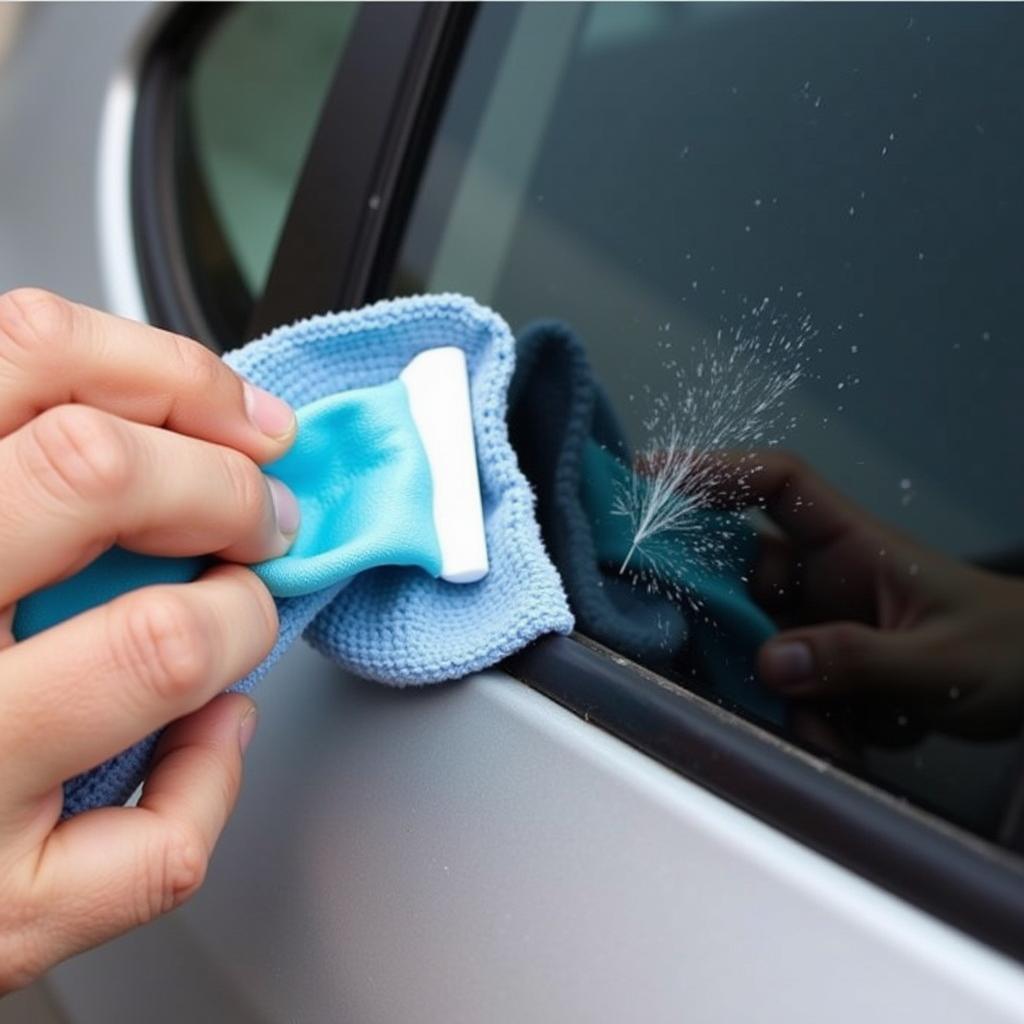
(159, 146)
(950, 873)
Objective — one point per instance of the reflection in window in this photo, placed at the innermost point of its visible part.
(253, 97)
(749, 232)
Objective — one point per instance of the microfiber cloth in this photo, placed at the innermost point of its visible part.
(398, 624)
(575, 453)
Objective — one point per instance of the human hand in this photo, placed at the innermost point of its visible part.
(866, 610)
(112, 432)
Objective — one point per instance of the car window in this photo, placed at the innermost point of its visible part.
(762, 228)
(252, 97)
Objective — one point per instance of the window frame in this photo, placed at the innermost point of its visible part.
(169, 289)
(337, 250)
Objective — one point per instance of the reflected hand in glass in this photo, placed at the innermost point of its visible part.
(864, 609)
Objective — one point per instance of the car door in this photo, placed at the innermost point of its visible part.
(584, 833)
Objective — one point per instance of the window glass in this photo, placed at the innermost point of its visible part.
(252, 100)
(767, 229)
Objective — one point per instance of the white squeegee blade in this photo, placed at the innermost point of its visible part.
(438, 387)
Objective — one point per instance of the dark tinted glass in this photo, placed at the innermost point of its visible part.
(764, 232)
(252, 97)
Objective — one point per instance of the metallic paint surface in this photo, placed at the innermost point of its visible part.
(472, 852)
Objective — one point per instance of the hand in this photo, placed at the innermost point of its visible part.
(112, 432)
(867, 610)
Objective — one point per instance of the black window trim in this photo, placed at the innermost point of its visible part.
(168, 286)
(337, 249)
(352, 199)
(959, 877)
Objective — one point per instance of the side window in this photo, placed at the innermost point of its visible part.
(242, 107)
(752, 233)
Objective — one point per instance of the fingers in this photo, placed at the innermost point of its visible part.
(847, 657)
(85, 465)
(110, 870)
(198, 767)
(54, 352)
(78, 480)
(911, 681)
(809, 510)
(775, 583)
(99, 682)
(6, 626)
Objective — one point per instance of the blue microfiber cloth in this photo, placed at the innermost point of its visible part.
(575, 453)
(397, 624)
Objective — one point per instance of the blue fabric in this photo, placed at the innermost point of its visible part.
(363, 482)
(396, 624)
(111, 575)
(555, 408)
(725, 626)
(573, 449)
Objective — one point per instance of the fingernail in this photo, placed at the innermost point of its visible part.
(268, 413)
(787, 664)
(247, 727)
(286, 506)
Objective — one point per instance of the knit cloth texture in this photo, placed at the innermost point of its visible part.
(397, 625)
(673, 609)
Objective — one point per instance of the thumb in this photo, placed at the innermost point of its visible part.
(845, 657)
